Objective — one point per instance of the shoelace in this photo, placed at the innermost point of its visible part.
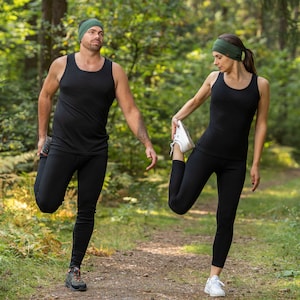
(76, 273)
(222, 284)
(173, 143)
(219, 282)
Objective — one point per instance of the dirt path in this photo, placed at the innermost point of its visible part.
(159, 269)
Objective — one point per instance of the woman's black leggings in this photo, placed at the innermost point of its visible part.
(54, 174)
(187, 181)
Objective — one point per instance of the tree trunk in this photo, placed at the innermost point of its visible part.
(283, 24)
(31, 62)
(51, 30)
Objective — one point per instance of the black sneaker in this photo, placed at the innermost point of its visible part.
(74, 281)
(46, 146)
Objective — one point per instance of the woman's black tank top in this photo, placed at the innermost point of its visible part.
(231, 115)
(79, 124)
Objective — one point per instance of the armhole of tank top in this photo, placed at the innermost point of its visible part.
(67, 61)
(111, 70)
(219, 75)
(255, 78)
(108, 63)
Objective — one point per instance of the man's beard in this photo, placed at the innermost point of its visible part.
(95, 47)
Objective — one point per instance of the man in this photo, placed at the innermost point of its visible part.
(88, 84)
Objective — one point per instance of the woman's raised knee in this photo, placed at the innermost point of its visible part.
(178, 209)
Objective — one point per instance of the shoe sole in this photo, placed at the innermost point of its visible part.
(213, 295)
(189, 140)
(74, 289)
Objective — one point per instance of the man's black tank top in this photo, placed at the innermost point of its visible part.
(231, 115)
(79, 124)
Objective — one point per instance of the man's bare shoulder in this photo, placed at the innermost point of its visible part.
(58, 67)
(118, 71)
(116, 67)
(60, 62)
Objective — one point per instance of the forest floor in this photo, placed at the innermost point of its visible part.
(159, 269)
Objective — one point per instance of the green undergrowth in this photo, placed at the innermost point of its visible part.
(266, 240)
(35, 247)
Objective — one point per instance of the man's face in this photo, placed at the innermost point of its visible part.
(93, 38)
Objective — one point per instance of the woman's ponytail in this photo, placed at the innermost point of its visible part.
(248, 59)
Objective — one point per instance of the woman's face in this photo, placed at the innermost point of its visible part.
(223, 62)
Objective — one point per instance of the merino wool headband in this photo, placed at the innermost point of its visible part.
(227, 49)
(86, 25)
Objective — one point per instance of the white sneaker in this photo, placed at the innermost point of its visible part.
(182, 138)
(214, 286)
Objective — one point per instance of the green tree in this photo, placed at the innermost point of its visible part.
(50, 33)
(284, 14)
(165, 48)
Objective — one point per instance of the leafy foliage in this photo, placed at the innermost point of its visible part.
(29, 239)
(165, 47)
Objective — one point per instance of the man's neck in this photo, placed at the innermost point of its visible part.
(89, 60)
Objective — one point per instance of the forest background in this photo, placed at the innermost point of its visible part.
(165, 48)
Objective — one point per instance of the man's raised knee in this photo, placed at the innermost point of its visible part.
(46, 207)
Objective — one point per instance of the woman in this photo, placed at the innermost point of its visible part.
(237, 94)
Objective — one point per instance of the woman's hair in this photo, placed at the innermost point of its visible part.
(248, 60)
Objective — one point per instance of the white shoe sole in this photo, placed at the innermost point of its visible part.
(188, 143)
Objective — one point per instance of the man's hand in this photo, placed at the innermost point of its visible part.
(41, 143)
(151, 154)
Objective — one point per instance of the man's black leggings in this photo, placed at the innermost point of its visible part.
(54, 174)
(187, 181)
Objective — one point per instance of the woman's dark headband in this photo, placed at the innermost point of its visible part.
(227, 49)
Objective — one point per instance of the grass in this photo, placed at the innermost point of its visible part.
(266, 240)
(35, 248)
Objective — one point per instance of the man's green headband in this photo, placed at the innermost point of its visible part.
(227, 49)
(86, 25)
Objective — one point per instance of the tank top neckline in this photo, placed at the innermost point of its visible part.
(234, 89)
(75, 63)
